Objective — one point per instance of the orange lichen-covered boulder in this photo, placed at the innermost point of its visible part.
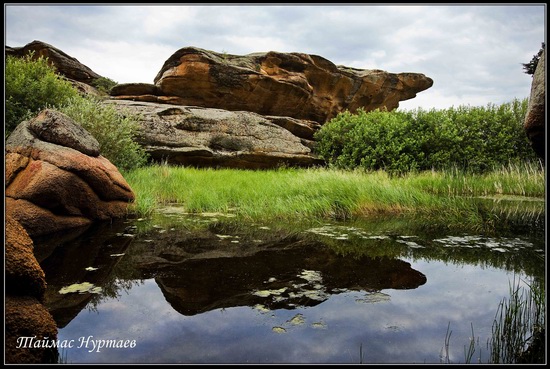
(295, 85)
(56, 178)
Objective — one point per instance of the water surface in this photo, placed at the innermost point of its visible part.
(182, 288)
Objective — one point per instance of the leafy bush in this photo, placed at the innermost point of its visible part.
(114, 131)
(475, 139)
(104, 84)
(32, 85)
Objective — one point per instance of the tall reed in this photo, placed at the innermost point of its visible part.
(518, 329)
(293, 194)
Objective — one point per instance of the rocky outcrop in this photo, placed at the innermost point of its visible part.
(23, 274)
(56, 178)
(297, 85)
(25, 315)
(64, 64)
(254, 111)
(535, 119)
(188, 135)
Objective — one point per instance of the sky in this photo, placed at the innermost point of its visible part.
(474, 53)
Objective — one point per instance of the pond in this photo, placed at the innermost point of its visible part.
(206, 288)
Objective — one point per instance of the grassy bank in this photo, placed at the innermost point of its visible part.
(291, 194)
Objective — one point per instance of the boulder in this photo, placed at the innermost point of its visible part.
(23, 275)
(26, 317)
(25, 286)
(535, 119)
(296, 85)
(56, 179)
(64, 64)
(207, 137)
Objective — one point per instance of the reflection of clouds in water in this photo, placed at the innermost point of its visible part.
(460, 295)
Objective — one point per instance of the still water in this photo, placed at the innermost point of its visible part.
(203, 288)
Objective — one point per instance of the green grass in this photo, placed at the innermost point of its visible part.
(518, 328)
(321, 193)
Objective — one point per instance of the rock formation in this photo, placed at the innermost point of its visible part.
(535, 119)
(295, 91)
(204, 137)
(64, 64)
(25, 315)
(56, 178)
(297, 85)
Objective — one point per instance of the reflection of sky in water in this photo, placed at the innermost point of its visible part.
(394, 326)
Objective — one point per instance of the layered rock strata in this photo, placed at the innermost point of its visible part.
(296, 85)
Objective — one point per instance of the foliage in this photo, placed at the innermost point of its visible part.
(103, 84)
(531, 67)
(115, 131)
(475, 139)
(32, 85)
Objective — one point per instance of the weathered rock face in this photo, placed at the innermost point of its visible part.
(197, 136)
(56, 179)
(297, 85)
(65, 65)
(535, 122)
(25, 316)
(22, 271)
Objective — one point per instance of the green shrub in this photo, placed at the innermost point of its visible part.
(32, 85)
(103, 84)
(114, 131)
(475, 139)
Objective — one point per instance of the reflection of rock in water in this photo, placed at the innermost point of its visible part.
(279, 275)
(85, 258)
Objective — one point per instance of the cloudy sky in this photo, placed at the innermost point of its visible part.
(473, 53)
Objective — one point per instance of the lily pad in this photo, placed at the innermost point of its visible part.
(84, 287)
(297, 319)
(278, 330)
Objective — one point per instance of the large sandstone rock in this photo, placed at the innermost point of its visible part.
(535, 119)
(188, 135)
(26, 317)
(25, 287)
(23, 275)
(284, 84)
(56, 179)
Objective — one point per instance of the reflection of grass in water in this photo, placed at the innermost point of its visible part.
(382, 236)
(518, 334)
(518, 329)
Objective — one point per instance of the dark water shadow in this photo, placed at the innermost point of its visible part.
(86, 256)
(283, 276)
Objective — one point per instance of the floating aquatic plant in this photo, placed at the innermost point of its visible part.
(84, 287)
